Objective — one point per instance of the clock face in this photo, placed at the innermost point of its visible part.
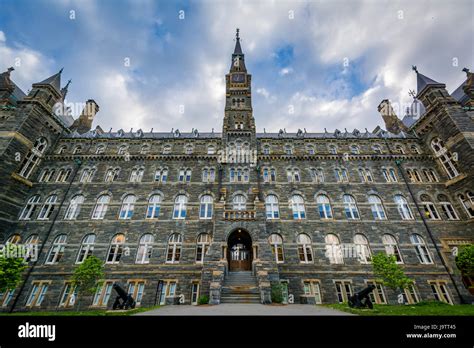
(238, 78)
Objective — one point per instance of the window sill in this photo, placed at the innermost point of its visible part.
(21, 179)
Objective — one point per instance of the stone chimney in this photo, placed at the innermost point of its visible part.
(392, 123)
(83, 124)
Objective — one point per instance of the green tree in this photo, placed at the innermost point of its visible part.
(88, 275)
(12, 265)
(465, 260)
(389, 272)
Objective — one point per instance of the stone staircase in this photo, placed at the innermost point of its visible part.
(240, 287)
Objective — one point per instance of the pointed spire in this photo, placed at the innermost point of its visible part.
(64, 90)
(237, 49)
(54, 80)
(423, 81)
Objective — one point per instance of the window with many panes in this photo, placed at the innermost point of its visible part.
(136, 288)
(56, 252)
(362, 248)
(101, 207)
(37, 293)
(333, 249)
(33, 158)
(341, 175)
(378, 294)
(30, 207)
(175, 242)
(350, 207)
(48, 207)
(324, 207)
(297, 207)
(102, 295)
(403, 207)
(116, 249)
(74, 207)
(305, 251)
(421, 249)
(276, 244)
(271, 207)
(153, 208)
(312, 288)
(448, 161)
(343, 290)
(391, 247)
(68, 296)
(145, 249)
(202, 246)
(127, 208)
(86, 249)
(440, 291)
(205, 207)
(179, 210)
(467, 201)
(376, 207)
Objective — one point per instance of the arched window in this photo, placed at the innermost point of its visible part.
(421, 250)
(48, 207)
(355, 150)
(266, 149)
(74, 207)
(77, 150)
(376, 206)
(87, 175)
(144, 149)
(101, 207)
(391, 247)
(30, 207)
(33, 158)
(448, 209)
(128, 205)
(208, 175)
(112, 174)
(399, 149)
(32, 240)
(429, 208)
(333, 249)
(174, 248)
(288, 150)
(297, 206)
(403, 207)
(276, 243)
(202, 246)
(137, 174)
(414, 149)
(179, 211)
(445, 157)
(269, 174)
(239, 202)
(116, 249)
(14, 239)
(61, 149)
(153, 209)
(324, 207)
(467, 201)
(57, 250)
(310, 149)
(389, 175)
(205, 208)
(63, 175)
(317, 175)
(377, 149)
(341, 175)
(293, 175)
(161, 175)
(271, 207)
(145, 249)
(350, 207)
(414, 175)
(333, 149)
(184, 175)
(86, 249)
(122, 150)
(305, 251)
(166, 149)
(362, 248)
(211, 150)
(365, 175)
(100, 149)
(188, 149)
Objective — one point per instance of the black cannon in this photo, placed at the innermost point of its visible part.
(361, 299)
(123, 300)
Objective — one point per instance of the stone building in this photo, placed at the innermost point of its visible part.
(178, 215)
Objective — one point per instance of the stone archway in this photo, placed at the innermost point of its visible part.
(239, 250)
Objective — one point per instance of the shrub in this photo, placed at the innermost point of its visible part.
(277, 294)
(203, 299)
(465, 260)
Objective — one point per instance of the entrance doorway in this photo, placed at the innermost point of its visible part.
(239, 251)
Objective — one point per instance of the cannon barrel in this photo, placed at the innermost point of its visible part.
(120, 291)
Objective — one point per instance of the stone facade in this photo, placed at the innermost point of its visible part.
(244, 169)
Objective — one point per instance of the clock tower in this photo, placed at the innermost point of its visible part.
(238, 119)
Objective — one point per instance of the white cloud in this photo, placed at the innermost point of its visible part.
(285, 71)
(2, 36)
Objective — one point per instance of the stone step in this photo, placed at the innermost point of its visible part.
(240, 300)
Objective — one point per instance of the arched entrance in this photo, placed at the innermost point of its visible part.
(239, 251)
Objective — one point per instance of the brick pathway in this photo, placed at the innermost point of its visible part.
(244, 309)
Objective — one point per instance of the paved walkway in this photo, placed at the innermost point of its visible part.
(244, 309)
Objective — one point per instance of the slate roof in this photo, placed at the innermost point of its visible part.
(54, 80)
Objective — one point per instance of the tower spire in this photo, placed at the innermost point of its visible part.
(237, 49)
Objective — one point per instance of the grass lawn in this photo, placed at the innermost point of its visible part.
(422, 308)
(101, 312)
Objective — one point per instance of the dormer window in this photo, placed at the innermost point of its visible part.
(166, 149)
(100, 149)
(122, 150)
(61, 149)
(188, 149)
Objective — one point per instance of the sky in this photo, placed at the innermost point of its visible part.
(161, 64)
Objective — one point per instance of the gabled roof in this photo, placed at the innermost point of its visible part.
(423, 81)
(54, 80)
